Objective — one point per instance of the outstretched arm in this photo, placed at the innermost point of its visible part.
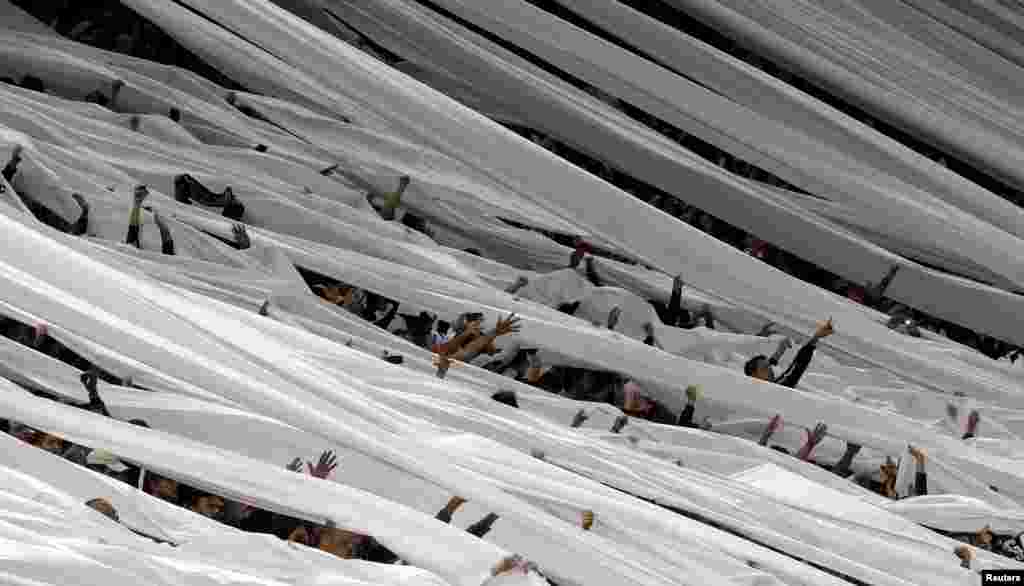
(12, 166)
(81, 227)
(96, 405)
(166, 240)
(135, 219)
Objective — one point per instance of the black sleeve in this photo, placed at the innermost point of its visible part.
(167, 242)
(675, 305)
(921, 484)
(389, 317)
(234, 210)
(483, 526)
(798, 367)
(133, 236)
(80, 227)
(686, 417)
(373, 551)
(444, 515)
(9, 170)
(592, 275)
(96, 405)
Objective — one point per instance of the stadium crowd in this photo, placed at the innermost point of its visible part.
(469, 340)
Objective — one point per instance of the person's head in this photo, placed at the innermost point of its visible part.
(105, 462)
(984, 537)
(904, 323)
(635, 404)
(104, 507)
(469, 321)
(506, 397)
(141, 192)
(443, 327)
(175, 115)
(165, 489)
(759, 367)
(31, 82)
(338, 542)
(207, 505)
(48, 442)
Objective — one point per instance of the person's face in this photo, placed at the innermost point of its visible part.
(50, 443)
(166, 489)
(209, 506)
(338, 542)
(985, 537)
(104, 507)
(764, 372)
(474, 326)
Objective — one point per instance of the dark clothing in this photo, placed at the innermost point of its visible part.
(133, 239)
(791, 377)
(686, 417)
(920, 485)
(1006, 545)
(372, 551)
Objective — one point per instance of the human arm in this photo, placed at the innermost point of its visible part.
(519, 284)
(842, 468)
(579, 419)
(389, 317)
(453, 505)
(920, 476)
(592, 275)
(693, 394)
(166, 239)
(650, 339)
(876, 292)
(675, 302)
(775, 424)
(813, 439)
(80, 227)
(613, 318)
(12, 165)
(784, 346)
(135, 218)
(485, 342)
(799, 366)
(90, 380)
(241, 236)
(483, 526)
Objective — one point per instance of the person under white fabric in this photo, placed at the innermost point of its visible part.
(760, 367)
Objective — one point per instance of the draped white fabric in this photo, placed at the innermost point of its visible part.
(236, 395)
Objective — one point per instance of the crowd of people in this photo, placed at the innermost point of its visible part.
(467, 339)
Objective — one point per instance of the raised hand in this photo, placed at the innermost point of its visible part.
(328, 462)
(509, 325)
(141, 193)
(813, 439)
(295, 466)
(918, 455)
(80, 201)
(588, 520)
(241, 236)
(89, 380)
(613, 317)
(160, 222)
(580, 418)
(824, 330)
(773, 426)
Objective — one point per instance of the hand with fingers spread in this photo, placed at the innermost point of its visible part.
(509, 325)
(328, 462)
(813, 439)
(241, 236)
(295, 466)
